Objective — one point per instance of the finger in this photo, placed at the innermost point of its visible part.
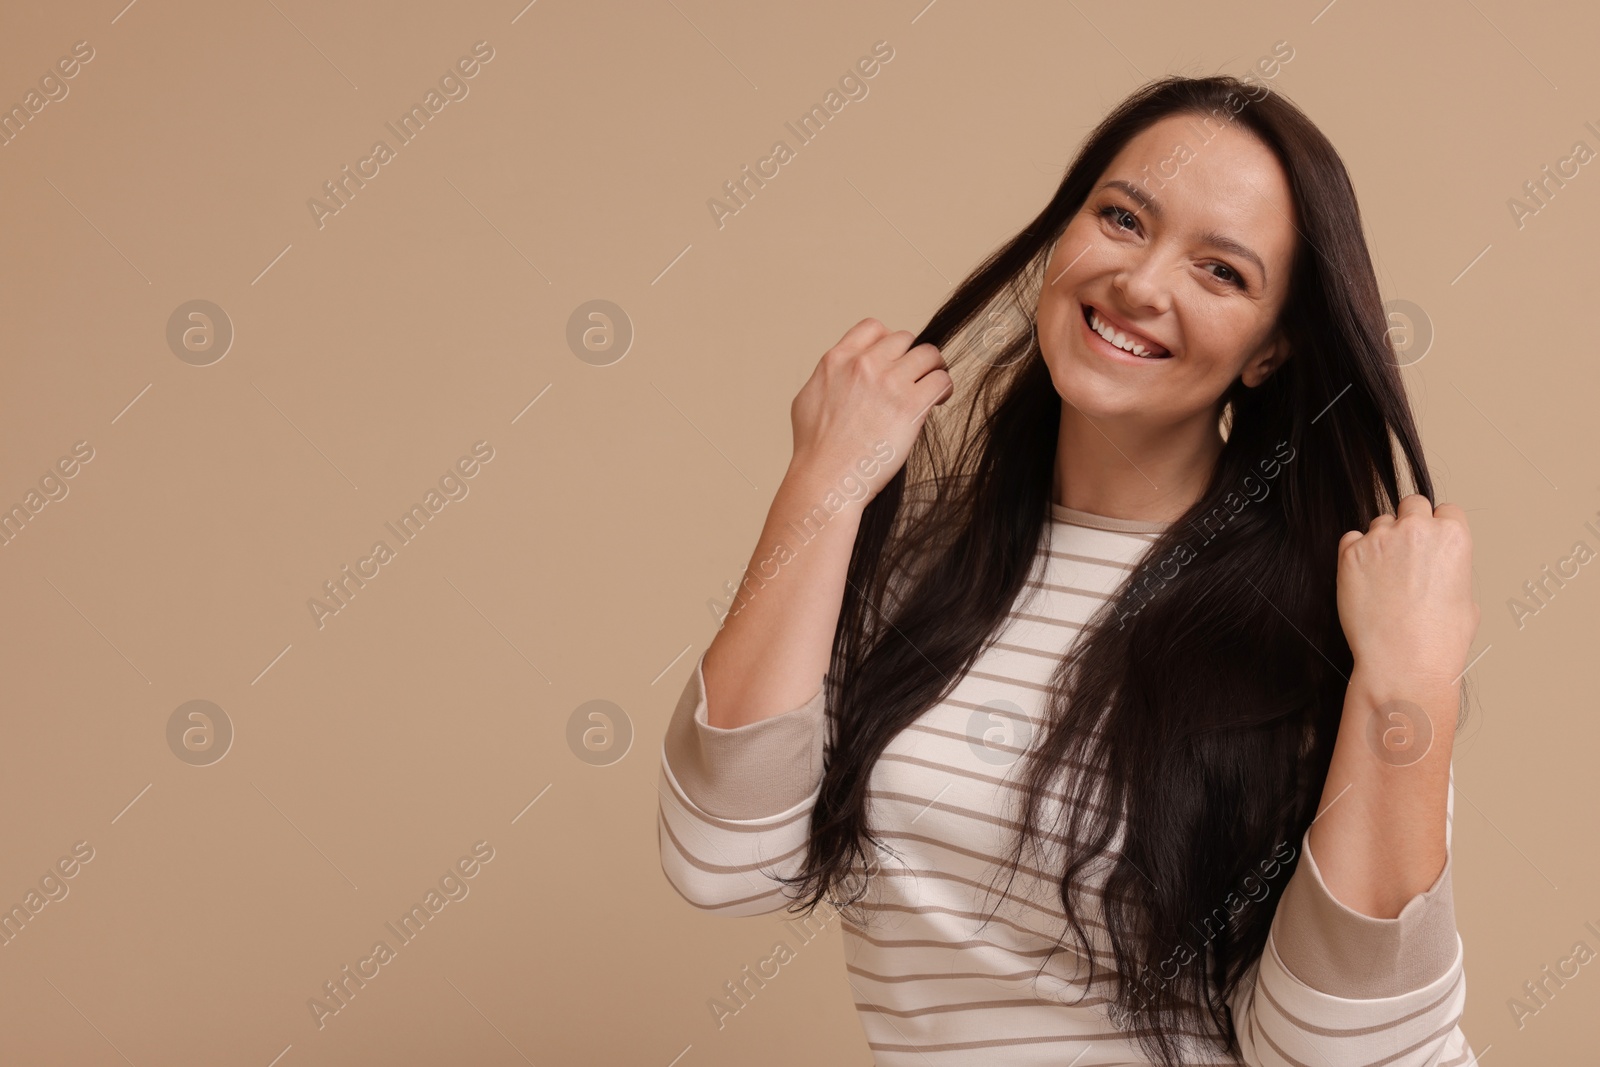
(935, 388)
(1414, 504)
(919, 361)
(862, 335)
(1450, 511)
(1350, 538)
(892, 345)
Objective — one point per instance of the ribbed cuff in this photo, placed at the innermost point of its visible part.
(752, 771)
(1339, 951)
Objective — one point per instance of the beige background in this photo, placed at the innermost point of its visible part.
(428, 314)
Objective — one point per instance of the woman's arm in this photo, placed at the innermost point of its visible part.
(1364, 962)
(735, 804)
(854, 421)
(1380, 834)
(1405, 601)
(775, 643)
(742, 758)
(1336, 985)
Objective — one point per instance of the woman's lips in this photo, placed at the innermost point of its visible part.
(1111, 350)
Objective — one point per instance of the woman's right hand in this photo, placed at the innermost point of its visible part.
(872, 386)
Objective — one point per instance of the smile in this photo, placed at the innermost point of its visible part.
(1117, 344)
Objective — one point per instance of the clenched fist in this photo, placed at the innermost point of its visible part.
(1405, 593)
(872, 386)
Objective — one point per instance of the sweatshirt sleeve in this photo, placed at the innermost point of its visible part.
(1337, 986)
(734, 805)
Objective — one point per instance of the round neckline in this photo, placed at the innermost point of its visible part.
(1076, 517)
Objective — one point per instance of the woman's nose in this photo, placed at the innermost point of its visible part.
(1143, 281)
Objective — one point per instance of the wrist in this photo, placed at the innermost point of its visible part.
(808, 495)
(1404, 716)
(1414, 680)
(809, 484)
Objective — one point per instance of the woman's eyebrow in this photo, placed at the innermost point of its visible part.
(1210, 237)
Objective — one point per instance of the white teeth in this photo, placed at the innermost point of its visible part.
(1117, 337)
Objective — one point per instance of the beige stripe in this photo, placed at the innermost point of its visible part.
(1248, 1035)
(1090, 888)
(1099, 561)
(1022, 868)
(1282, 1052)
(976, 816)
(1307, 1027)
(1116, 1038)
(1008, 679)
(934, 731)
(962, 772)
(955, 702)
(944, 876)
(971, 942)
(1400, 1054)
(1020, 976)
(776, 891)
(972, 705)
(694, 860)
(1026, 617)
(1041, 652)
(1103, 958)
(1053, 587)
(973, 1005)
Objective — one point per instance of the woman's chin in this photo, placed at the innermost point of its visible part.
(1101, 410)
(1092, 394)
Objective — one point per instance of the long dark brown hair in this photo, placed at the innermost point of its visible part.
(1221, 679)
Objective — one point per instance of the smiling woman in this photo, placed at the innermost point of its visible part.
(992, 674)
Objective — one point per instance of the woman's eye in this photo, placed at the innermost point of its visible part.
(1233, 277)
(1112, 211)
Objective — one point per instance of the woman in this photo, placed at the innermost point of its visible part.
(1145, 609)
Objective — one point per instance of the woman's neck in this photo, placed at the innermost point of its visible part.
(1126, 471)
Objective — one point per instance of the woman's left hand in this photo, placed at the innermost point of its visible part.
(1405, 593)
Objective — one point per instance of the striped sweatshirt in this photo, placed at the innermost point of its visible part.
(959, 960)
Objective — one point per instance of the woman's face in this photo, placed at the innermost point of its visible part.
(1197, 267)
